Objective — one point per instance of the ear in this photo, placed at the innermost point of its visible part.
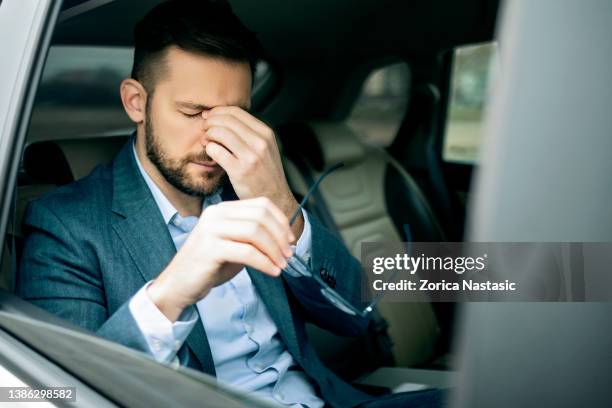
(134, 99)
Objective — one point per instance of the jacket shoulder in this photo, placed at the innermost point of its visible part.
(82, 200)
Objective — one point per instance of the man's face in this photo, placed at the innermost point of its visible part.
(174, 127)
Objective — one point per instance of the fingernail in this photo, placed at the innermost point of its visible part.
(204, 114)
(277, 271)
(283, 264)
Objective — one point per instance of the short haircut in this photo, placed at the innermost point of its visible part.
(205, 27)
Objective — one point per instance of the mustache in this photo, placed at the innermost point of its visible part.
(200, 157)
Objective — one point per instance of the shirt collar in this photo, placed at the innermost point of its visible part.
(165, 206)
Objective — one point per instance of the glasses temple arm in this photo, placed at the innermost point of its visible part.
(312, 189)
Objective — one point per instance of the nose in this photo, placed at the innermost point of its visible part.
(203, 140)
(203, 144)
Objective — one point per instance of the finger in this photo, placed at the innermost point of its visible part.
(256, 234)
(222, 156)
(248, 119)
(245, 254)
(280, 216)
(233, 123)
(258, 144)
(231, 141)
(254, 211)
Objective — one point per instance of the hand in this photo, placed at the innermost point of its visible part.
(229, 235)
(246, 149)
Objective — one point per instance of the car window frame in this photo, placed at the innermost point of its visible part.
(20, 74)
(30, 25)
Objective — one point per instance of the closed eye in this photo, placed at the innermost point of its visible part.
(189, 115)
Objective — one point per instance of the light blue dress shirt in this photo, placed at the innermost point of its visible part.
(247, 350)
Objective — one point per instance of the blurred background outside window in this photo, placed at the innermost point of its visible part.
(79, 92)
(472, 69)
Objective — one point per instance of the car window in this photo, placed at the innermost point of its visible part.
(79, 92)
(379, 110)
(470, 78)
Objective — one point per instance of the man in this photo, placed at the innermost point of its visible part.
(176, 248)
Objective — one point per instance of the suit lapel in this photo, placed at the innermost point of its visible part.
(141, 228)
(273, 294)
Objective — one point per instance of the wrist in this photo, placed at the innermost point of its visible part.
(163, 299)
(289, 207)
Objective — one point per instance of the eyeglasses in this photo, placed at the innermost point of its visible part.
(298, 267)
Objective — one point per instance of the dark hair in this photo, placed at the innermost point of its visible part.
(205, 27)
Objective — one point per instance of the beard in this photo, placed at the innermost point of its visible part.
(175, 170)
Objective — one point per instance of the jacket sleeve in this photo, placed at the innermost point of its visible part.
(328, 256)
(61, 274)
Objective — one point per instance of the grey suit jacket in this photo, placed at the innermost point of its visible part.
(92, 244)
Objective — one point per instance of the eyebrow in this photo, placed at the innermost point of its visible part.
(197, 106)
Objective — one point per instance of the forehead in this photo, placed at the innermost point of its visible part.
(205, 80)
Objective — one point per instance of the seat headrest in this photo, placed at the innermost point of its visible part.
(298, 142)
(339, 142)
(322, 144)
(61, 161)
(46, 163)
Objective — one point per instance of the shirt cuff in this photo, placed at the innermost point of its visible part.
(163, 337)
(304, 243)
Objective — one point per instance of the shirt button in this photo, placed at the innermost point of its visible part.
(258, 367)
(157, 345)
(279, 396)
(177, 345)
(175, 363)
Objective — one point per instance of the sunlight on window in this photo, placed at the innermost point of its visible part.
(471, 72)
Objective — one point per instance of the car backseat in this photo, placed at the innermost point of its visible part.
(369, 199)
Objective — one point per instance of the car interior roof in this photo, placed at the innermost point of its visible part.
(311, 30)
